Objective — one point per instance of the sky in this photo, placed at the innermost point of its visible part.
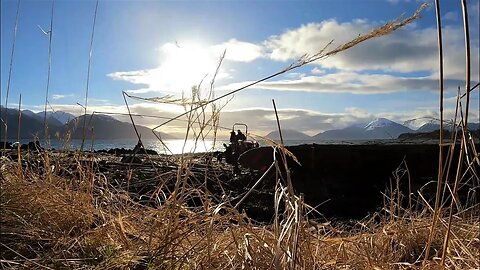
(164, 48)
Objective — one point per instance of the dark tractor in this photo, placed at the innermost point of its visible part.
(238, 144)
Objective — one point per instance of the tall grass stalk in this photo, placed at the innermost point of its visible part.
(440, 143)
(284, 156)
(453, 139)
(10, 68)
(19, 154)
(463, 144)
(50, 36)
(88, 75)
(467, 59)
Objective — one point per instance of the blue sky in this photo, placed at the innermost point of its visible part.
(155, 48)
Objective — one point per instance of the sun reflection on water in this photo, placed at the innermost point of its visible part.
(189, 146)
(177, 146)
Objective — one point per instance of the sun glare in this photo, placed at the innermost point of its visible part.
(185, 65)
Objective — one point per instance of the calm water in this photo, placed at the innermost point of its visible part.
(176, 146)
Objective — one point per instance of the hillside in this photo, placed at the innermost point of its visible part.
(30, 125)
(60, 116)
(348, 133)
(107, 127)
(289, 134)
(433, 126)
(99, 126)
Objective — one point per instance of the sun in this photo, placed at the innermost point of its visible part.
(184, 65)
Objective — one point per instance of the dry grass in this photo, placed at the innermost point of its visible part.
(81, 221)
(64, 224)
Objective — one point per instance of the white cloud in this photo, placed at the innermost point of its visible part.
(352, 82)
(451, 16)
(318, 71)
(359, 113)
(136, 77)
(295, 75)
(239, 50)
(59, 96)
(409, 49)
(99, 101)
(310, 38)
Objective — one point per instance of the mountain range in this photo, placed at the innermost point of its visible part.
(60, 116)
(101, 126)
(378, 129)
(62, 124)
(432, 126)
(106, 127)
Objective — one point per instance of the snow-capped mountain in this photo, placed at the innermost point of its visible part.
(52, 121)
(380, 128)
(435, 125)
(56, 118)
(383, 128)
(61, 116)
(379, 123)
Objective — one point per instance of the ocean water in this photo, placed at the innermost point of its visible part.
(165, 147)
(176, 146)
